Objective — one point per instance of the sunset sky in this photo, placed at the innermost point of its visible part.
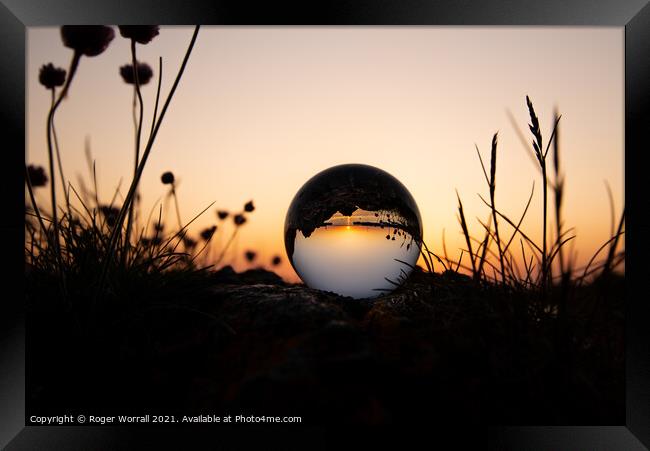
(262, 109)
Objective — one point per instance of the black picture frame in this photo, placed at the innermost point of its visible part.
(633, 15)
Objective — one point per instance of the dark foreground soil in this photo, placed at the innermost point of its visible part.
(439, 349)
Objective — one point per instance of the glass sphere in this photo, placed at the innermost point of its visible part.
(354, 230)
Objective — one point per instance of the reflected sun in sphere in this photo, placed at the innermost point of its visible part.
(354, 230)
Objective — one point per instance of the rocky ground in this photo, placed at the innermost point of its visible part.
(438, 349)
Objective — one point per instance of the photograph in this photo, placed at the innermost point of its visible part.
(325, 225)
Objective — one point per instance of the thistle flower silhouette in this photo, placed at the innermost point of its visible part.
(189, 243)
(249, 207)
(167, 178)
(51, 77)
(222, 214)
(110, 214)
(206, 234)
(142, 34)
(250, 255)
(36, 175)
(89, 40)
(239, 219)
(276, 260)
(144, 73)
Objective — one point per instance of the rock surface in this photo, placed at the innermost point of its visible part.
(439, 349)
